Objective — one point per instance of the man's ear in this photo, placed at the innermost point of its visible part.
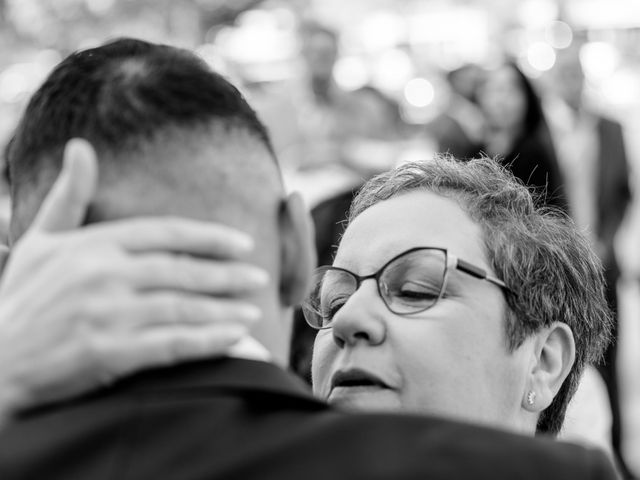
(555, 353)
(297, 256)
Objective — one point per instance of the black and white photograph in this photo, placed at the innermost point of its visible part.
(319, 239)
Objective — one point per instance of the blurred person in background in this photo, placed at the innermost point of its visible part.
(304, 114)
(330, 139)
(321, 103)
(460, 128)
(593, 159)
(372, 130)
(518, 133)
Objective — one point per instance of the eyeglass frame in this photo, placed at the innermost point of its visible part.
(451, 262)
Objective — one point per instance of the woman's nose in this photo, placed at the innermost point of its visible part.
(361, 318)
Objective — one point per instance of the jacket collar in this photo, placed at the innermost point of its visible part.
(224, 374)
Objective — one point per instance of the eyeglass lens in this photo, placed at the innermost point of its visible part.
(408, 284)
(413, 282)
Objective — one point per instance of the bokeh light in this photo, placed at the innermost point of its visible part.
(392, 70)
(419, 92)
(541, 56)
(351, 73)
(621, 90)
(382, 30)
(559, 34)
(99, 7)
(537, 13)
(19, 80)
(599, 60)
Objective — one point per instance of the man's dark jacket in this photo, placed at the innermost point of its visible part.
(242, 419)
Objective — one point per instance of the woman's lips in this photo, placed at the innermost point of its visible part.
(356, 378)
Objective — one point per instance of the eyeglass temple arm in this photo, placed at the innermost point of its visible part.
(479, 273)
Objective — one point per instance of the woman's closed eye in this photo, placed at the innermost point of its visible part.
(417, 291)
(331, 306)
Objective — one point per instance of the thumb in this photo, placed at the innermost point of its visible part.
(65, 207)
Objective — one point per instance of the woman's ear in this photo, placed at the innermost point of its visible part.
(297, 255)
(555, 353)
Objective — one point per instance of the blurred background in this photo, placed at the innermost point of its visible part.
(351, 88)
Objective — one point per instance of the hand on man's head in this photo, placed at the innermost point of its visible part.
(80, 307)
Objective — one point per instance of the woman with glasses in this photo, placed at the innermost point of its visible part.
(452, 294)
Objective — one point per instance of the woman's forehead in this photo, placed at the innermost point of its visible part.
(415, 219)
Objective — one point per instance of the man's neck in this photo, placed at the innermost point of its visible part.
(273, 333)
(250, 349)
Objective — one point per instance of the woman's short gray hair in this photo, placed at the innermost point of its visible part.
(537, 251)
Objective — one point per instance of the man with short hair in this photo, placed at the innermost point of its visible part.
(174, 138)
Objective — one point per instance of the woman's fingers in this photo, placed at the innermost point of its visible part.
(169, 345)
(80, 365)
(172, 234)
(196, 275)
(159, 308)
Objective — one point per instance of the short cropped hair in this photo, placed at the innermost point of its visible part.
(120, 96)
(554, 273)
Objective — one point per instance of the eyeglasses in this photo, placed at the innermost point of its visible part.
(409, 283)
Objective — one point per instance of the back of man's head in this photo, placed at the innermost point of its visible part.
(121, 97)
(172, 137)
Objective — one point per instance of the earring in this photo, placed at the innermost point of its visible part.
(531, 398)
